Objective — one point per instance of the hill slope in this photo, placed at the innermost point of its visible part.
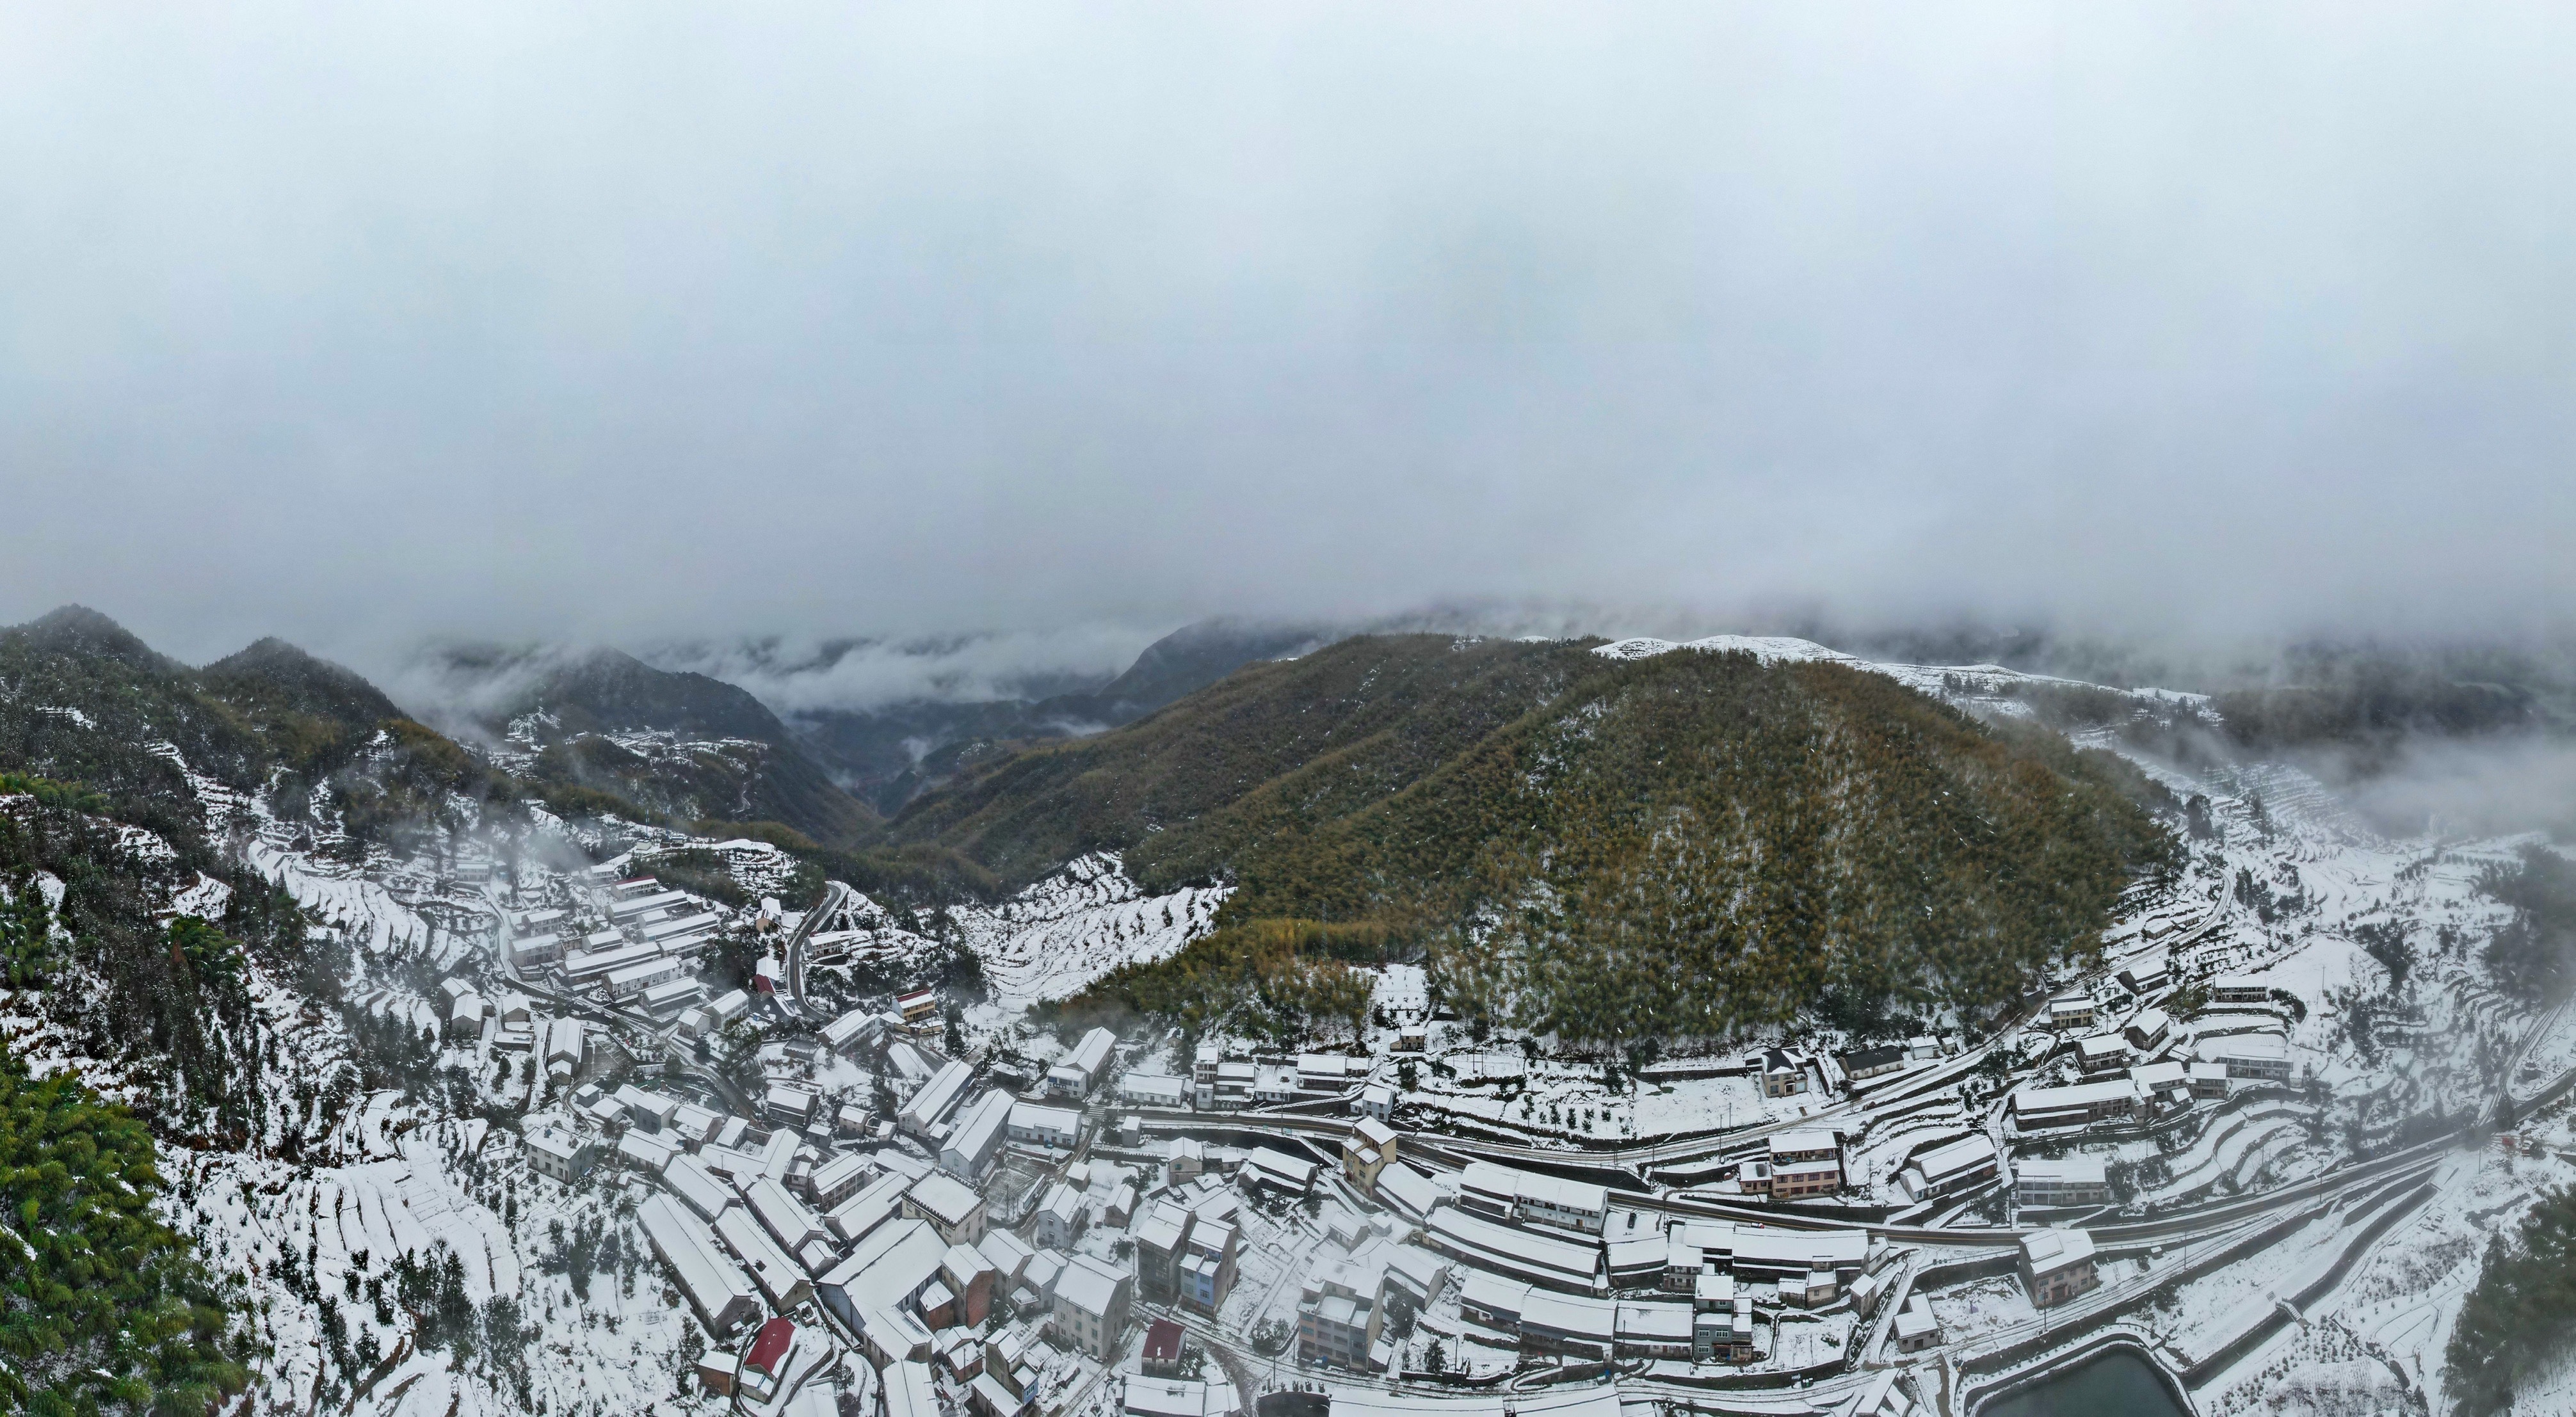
(1690, 844)
(891, 753)
(721, 754)
(276, 676)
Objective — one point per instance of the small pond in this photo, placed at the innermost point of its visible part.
(2120, 1383)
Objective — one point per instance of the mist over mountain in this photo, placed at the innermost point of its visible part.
(1890, 644)
(2461, 728)
(2167, 323)
(887, 718)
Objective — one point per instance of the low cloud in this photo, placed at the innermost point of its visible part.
(464, 690)
(365, 324)
(2473, 787)
(794, 677)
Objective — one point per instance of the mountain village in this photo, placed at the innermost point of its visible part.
(933, 1206)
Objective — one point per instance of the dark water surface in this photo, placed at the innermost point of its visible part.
(2117, 1384)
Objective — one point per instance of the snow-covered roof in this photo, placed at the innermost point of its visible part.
(718, 1290)
(909, 1391)
(1578, 1316)
(780, 1277)
(1491, 1293)
(871, 1207)
(840, 1032)
(1801, 1142)
(659, 900)
(1152, 1087)
(564, 1040)
(561, 1143)
(2270, 1047)
(645, 1152)
(2050, 1250)
(782, 1215)
(1655, 1322)
(2080, 1096)
(841, 1170)
(688, 1178)
(1770, 1247)
(1533, 1188)
(1273, 1167)
(1409, 1190)
(962, 1265)
(945, 1197)
(1161, 1226)
(788, 1099)
(936, 1097)
(1092, 1053)
(1515, 1249)
(1418, 1270)
(2154, 1076)
(1088, 1285)
(1009, 1253)
(980, 1127)
(2067, 1170)
(1061, 1201)
(680, 925)
(1038, 1117)
(889, 1266)
(594, 964)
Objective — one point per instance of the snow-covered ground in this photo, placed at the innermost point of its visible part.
(2288, 887)
(606, 1341)
(1057, 936)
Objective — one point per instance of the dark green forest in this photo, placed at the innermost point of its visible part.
(1688, 845)
(2522, 1314)
(166, 998)
(102, 1307)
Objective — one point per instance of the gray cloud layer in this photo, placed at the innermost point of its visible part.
(359, 323)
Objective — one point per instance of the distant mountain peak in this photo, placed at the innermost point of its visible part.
(79, 630)
(270, 649)
(597, 690)
(290, 676)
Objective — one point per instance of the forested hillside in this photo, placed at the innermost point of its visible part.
(2516, 1323)
(724, 754)
(890, 753)
(102, 1307)
(1336, 729)
(87, 950)
(1690, 844)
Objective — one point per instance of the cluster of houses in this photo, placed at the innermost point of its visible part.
(797, 1215)
(761, 1220)
(958, 1292)
(902, 1252)
(638, 950)
(1552, 1266)
(2128, 1073)
(560, 1048)
(1219, 1082)
(1684, 1289)
(2055, 1266)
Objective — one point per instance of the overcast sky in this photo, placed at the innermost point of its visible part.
(357, 323)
